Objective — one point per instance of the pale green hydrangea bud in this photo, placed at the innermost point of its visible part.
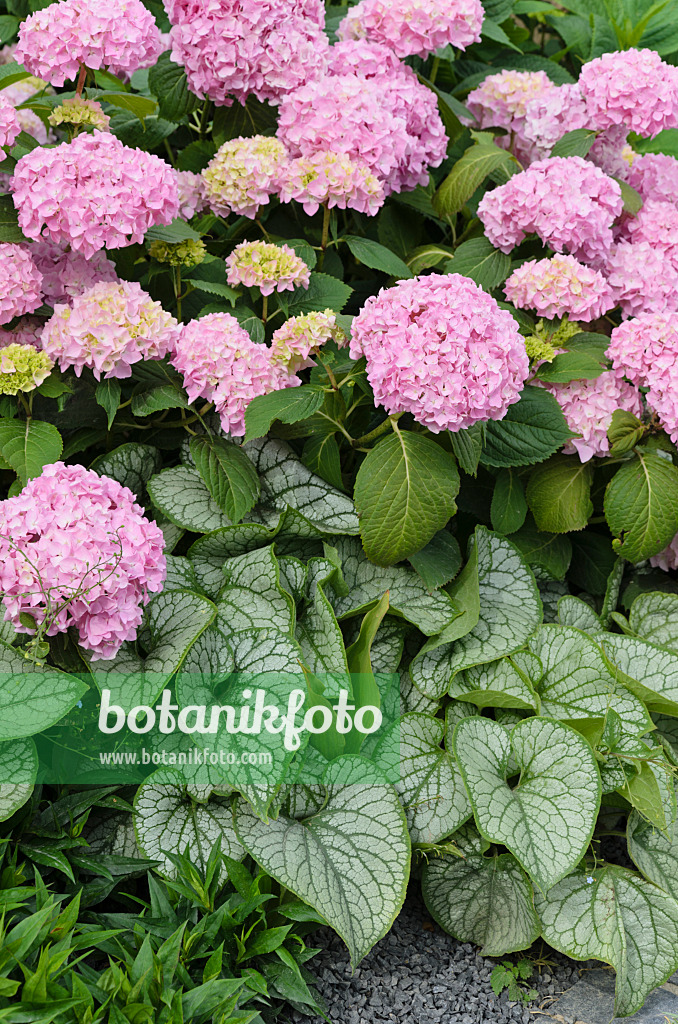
(545, 344)
(22, 368)
(81, 114)
(188, 253)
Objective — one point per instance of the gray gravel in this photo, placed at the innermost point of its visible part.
(418, 974)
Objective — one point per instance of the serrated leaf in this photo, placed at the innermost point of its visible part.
(157, 396)
(322, 456)
(575, 143)
(641, 506)
(18, 771)
(533, 428)
(632, 200)
(132, 465)
(654, 617)
(29, 446)
(574, 365)
(548, 554)
(476, 164)
(251, 118)
(509, 507)
(547, 821)
(404, 494)
(439, 562)
(167, 82)
(619, 918)
(478, 259)
(107, 395)
(169, 818)
(9, 223)
(32, 698)
(377, 257)
(350, 861)
(288, 405)
(324, 292)
(624, 432)
(467, 446)
(484, 900)
(559, 495)
(509, 613)
(228, 474)
(177, 231)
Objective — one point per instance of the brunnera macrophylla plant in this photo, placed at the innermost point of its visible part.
(342, 343)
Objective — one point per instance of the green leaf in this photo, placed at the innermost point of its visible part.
(157, 397)
(624, 432)
(498, 685)
(140, 106)
(468, 173)
(426, 256)
(654, 617)
(9, 224)
(359, 884)
(11, 73)
(324, 292)
(576, 143)
(404, 494)
(18, 771)
(487, 901)
(29, 446)
(32, 699)
(479, 260)
(253, 597)
(509, 507)
(170, 817)
(177, 231)
(107, 395)
(654, 850)
(467, 446)
(289, 406)
(612, 914)
(228, 474)
(510, 611)
(167, 82)
(180, 494)
(132, 465)
(559, 495)
(578, 364)
(632, 200)
(648, 671)
(547, 821)
(439, 562)
(641, 506)
(533, 428)
(250, 118)
(377, 256)
(548, 554)
(322, 456)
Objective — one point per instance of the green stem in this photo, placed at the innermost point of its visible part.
(383, 428)
(177, 290)
(264, 309)
(81, 81)
(325, 236)
(205, 117)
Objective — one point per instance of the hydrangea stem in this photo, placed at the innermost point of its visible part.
(81, 80)
(325, 235)
(383, 428)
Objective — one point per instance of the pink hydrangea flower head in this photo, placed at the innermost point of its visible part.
(78, 542)
(108, 328)
(645, 350)
(220, 362)
(668, 558)
(244, 174)
(609, 152)
(29, 121)
(569, 203)
(20, 282)
(655, 176)
(362, 57)
(633, 88)
(10, 126)
(588, 406)
(415, 27)
(504, 100)
(267, 267)
(303, 336)
(191, 189)
(643, 278)
(27, 331)
(657, 223)
(58, 193)
(560, 286)
(441, 348)
(335, 179)
(66, 273)
(548, 115)
(232, 49)
(118, 34)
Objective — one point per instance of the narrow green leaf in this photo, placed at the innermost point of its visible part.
(229, 475)
(107, 395)
(377, 256)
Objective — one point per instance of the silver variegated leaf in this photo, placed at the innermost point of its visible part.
(649, 671)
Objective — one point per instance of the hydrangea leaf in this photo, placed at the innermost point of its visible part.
(533, 428)
(547, 821)
(29, 446)
(408, 594)
(350, 861)
(253, 597)
(654, 617)
(430, 788)
(19, 766)
(228, 474)
(170, 816)
(641, 505)
(614, 915)
(576, 682)
(510, 612)
(484, 900)
(648, 671)
(180, 494)
(132, 465)
(32, 698)
(499, 684)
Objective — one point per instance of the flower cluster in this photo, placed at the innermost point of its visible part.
(191, 190)
(569, 203)
(55, 42)
(415, 27)
(643, 278)
(631, 88)
(303, 336)
(81, 114)
(560, 286)
(29, 122)
(10, 125)
(441, 348)
(645, 350)
(93, 193)
(76, 550)
(220, 362)
(239, 48)
(27, 331)
(588, 406)
(267, 267)
(108, 328)
(244, 174)
(655, 176)
(22, 368)
(20, 282)
(668, 558)
(335, 179)
(66, 273)
(188, 253)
